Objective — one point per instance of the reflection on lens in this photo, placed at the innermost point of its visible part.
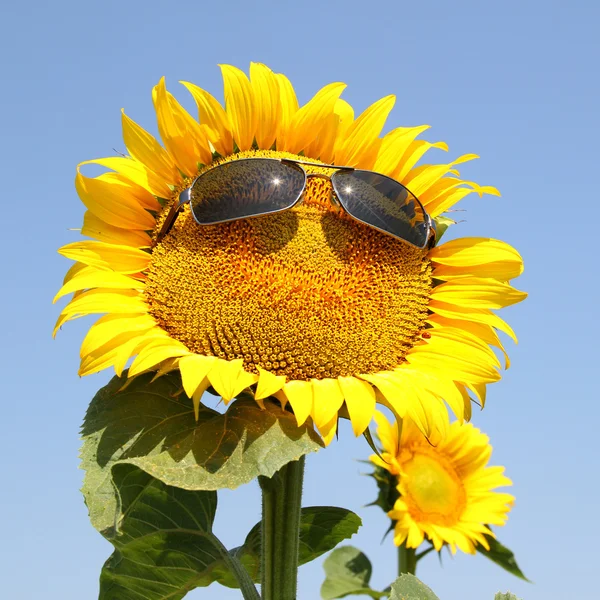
(245, 188)
(383, 203)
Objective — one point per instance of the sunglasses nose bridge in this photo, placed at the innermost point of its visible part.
(332, 198)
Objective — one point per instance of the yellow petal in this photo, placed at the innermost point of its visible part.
(388, 386)
(103, 359)
(143, 197)
(328, 430)
(213, 116)
(471, 345)
(101, 301)
(289, 107)
(265, 88)
(155, 353)
(122, 259)
(412, 155)
(125, 351)
(94, 278)
(110, 353)
(114, 202)
(447, 200)
(477, 292)
(104, 331)
(300, 396)
(335, 127)
(393, 147)
(146, 149)
(240, 104)
(480, 390)
(322, 147)
(387, 434)
(307, 122)
(437, 189)
(419, 180)
(107, 301)
(98, 229)
(194, 368)
(401, 394)
(360, 401)
(466, 400)
(345, 112)
(182, 135)
(327, 400)
(166, 366)
(268, 384)
(483, 257)
(453, 311)
(482, 331)
(446, 389)
(223, 377)
(197, 396)
(73, 270)
(363, 132)
(455, 368)
(138, 173)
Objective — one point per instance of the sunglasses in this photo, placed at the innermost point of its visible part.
(254, 187)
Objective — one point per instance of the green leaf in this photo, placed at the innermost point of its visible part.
(151, 424)
(502, 556)
(347, 573)
(163, 539)
(408, 587)
(387, 486)
(505, 596)
(441, 226)
(322, 528)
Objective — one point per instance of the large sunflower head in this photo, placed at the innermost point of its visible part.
(447, 491)
(309, 305)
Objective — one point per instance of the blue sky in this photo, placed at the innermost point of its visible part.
(511, 81)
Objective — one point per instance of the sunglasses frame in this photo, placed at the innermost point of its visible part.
(185, 196)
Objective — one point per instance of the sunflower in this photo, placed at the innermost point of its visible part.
(446, 491)
(308, 305)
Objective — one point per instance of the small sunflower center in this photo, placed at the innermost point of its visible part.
(305, 293)
(431, 488)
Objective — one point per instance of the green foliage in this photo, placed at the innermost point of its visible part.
(151, 424)
(502, 556)
(505, 596)
(164, 545)
(387, 486)
(347, 573)
(322, 528)
(441, 226)
(408, 587)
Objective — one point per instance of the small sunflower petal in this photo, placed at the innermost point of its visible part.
(213, 116)
(268, 384)
(122, 259)
(240, 104)
(327, 400)
(300, 396)
(146, 149)
(359, 396)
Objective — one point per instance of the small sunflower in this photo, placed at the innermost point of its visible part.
(308, 305)
(446, 491)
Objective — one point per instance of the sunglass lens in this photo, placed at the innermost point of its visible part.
(245, 188)
(383, 203)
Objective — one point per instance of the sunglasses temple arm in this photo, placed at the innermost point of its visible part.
(432, 238)
(172, 215)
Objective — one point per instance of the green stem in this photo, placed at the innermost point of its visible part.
(281, 496)
(407, 560)
(247, 587)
